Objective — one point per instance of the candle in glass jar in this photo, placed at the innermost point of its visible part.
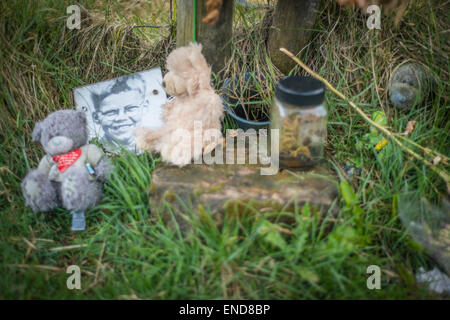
(300, 115)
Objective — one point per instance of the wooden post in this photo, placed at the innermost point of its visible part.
(292, 24)
(215, 39)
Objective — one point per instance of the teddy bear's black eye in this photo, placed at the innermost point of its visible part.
(409, 82)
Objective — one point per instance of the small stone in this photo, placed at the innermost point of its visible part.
(436, 280)
(410, 84)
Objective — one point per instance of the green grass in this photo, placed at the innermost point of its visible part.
(128, 253)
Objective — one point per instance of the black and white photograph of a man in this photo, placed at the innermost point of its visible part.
(115, 108)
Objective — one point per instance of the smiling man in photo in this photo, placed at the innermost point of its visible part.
(119, 109)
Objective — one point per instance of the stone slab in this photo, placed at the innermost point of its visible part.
(220, 190)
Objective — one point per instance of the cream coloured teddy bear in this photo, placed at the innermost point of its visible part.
(192, 119)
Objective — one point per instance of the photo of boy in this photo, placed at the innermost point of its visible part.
(118, 106)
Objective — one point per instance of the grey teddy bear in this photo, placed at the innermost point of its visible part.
(72, 173)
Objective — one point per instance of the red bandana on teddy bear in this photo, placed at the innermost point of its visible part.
(64, 161)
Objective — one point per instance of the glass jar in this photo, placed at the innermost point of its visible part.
(299, 113)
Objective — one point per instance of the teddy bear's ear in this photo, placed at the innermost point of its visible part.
(82, 116)
(196, 57)
(36, 135)
(192, 86)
